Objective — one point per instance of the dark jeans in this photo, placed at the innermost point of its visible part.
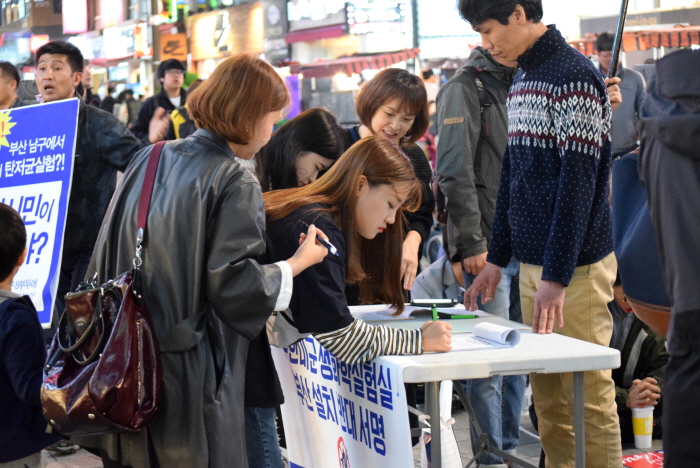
(262, 447)
(681, 403)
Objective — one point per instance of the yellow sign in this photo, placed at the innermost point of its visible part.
(5, 126)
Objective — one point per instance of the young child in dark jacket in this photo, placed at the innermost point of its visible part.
(22, 355)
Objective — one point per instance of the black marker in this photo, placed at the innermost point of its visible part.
(331, 248)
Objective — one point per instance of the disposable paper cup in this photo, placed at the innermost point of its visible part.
(642, 425)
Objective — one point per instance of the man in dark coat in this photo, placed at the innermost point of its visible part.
(109, 101)
(171, 74)
(89, 96)
(669, 166)
(625, 118)
(103, 147)
(9, 81)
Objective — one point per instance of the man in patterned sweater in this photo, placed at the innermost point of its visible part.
(553, 215)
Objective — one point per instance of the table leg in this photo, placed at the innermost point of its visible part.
(432, 403)
(579, 431)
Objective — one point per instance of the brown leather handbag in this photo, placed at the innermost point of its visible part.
(104, 369)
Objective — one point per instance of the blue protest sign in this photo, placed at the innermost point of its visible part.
(37, 147)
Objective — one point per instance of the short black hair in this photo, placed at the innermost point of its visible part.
(428, 73)
(604, 42)
(476, 12)
(72, 53)
(9, 71)
(13, 240)
(169, 64)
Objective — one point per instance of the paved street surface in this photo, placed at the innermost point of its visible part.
(528, 450)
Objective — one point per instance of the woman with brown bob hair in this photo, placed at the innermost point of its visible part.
(394, 106)
(359, 205)
(207, 294)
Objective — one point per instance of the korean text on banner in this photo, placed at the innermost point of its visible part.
(336, 414)
(37, 147)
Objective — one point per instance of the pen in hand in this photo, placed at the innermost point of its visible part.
(436, 336)
(331, 248)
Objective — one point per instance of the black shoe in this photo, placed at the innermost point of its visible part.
(63, 447)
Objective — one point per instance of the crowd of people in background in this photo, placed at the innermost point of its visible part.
(512, 180)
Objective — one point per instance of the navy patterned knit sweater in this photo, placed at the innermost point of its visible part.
(552, 208)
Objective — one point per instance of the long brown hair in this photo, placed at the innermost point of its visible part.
(375, 264)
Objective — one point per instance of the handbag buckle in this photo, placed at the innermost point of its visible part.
(138, 261)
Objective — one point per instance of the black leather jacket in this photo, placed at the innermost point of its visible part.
(206, 227)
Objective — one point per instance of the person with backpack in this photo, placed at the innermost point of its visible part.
(473, 128)
(181, 124)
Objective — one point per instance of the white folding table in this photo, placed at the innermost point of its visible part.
(535, 353)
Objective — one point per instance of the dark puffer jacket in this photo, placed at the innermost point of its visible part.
(669, 166)
(104, 146)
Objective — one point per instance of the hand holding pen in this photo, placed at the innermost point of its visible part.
(322, 238)
(437, 336)
(310, 252)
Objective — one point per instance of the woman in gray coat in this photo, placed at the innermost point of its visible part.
(206, 230)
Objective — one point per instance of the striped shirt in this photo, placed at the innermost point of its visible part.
(360, 342)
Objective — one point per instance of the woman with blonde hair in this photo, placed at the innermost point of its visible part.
(359, 204)
(206, 291)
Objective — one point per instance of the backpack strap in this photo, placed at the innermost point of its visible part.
(484, 98)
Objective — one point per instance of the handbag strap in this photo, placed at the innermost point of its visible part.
(148, 181)
(145, 200)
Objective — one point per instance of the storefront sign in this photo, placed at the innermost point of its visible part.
(36, 169)
(342, 415)
(111, 13)
(173, 46)
(37, 41)
(275, 47)
(227, 32)
(366, 16)
(74, 16)
(142, 40)
(118, 42)
(306, 14)
(91, 46)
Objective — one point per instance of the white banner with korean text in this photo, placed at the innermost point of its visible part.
(37, 148)
(340, 415)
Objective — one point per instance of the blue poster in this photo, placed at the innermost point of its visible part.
(37, 146)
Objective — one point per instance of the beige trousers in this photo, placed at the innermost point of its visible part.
(586, 317)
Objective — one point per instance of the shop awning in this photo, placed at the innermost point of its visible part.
(105, 62)
(326, 32)
(356, 63)
(680, 36)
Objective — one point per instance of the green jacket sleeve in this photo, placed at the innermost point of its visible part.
(459, 124)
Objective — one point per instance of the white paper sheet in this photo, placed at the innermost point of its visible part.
(486, 336)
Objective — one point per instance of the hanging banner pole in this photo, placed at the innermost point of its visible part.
(612, 70)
